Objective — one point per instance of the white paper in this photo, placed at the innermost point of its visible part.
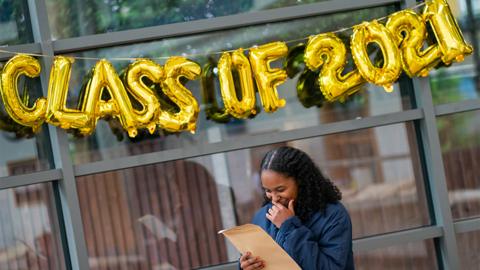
(250, 237)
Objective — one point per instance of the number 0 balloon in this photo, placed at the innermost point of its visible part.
(148, 95)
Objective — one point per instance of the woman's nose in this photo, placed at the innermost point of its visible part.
(275, 198)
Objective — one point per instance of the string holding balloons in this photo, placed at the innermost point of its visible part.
(149, 96)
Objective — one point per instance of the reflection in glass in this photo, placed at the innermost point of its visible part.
(163, 216)
(29, 233)
(70, 18)
(15, 24)
(460, 142)
(468, 249)
(22, 150)
(418, 255)
(460, 81)
(111, 142)
(168, 214)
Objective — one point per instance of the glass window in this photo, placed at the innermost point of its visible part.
(460, 81)
(15, 24)
(163, 216)
(460, 141)
(168, 214)
(70, 18)
(381, 182)
(110, 142)
(417, 255)
(29, 232)
(22, 150)
(468, 249)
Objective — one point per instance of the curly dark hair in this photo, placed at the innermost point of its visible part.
(315, 191)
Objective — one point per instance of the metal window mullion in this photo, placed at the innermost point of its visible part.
(457, 107)
(436, 178)
(436, 174)
(21, 48)
(397, 238)
(247, 141)
(468, 225)
(30, 179)
(77, 258)
(208, 25)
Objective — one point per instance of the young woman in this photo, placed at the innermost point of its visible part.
(302, 213)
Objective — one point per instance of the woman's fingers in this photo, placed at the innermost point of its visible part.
(260, 265)
(278, 206)
(246, 256)
(271, 213)
(248, 262)
(255, 266)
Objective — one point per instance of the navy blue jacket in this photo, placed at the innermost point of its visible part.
(323, 242)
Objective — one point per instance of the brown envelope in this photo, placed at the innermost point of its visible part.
(250, 237)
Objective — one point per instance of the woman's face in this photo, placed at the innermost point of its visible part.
(279, 188)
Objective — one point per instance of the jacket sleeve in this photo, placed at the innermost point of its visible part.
(329, 250)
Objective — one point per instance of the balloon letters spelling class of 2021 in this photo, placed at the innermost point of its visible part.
(402, 40)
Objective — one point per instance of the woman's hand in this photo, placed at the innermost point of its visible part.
(249, 262)
(279, 213)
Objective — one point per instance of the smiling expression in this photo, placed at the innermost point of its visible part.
(278, 187)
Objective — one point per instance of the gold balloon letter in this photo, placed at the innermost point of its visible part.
(144, 94)
(186, 118)
(209, 98)
(239, 109)
(409, 31)
(332, 83)
(373, 32)
(269, 78)
(57, 112)
(22, 65)
(119, 105)
(447, 32)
